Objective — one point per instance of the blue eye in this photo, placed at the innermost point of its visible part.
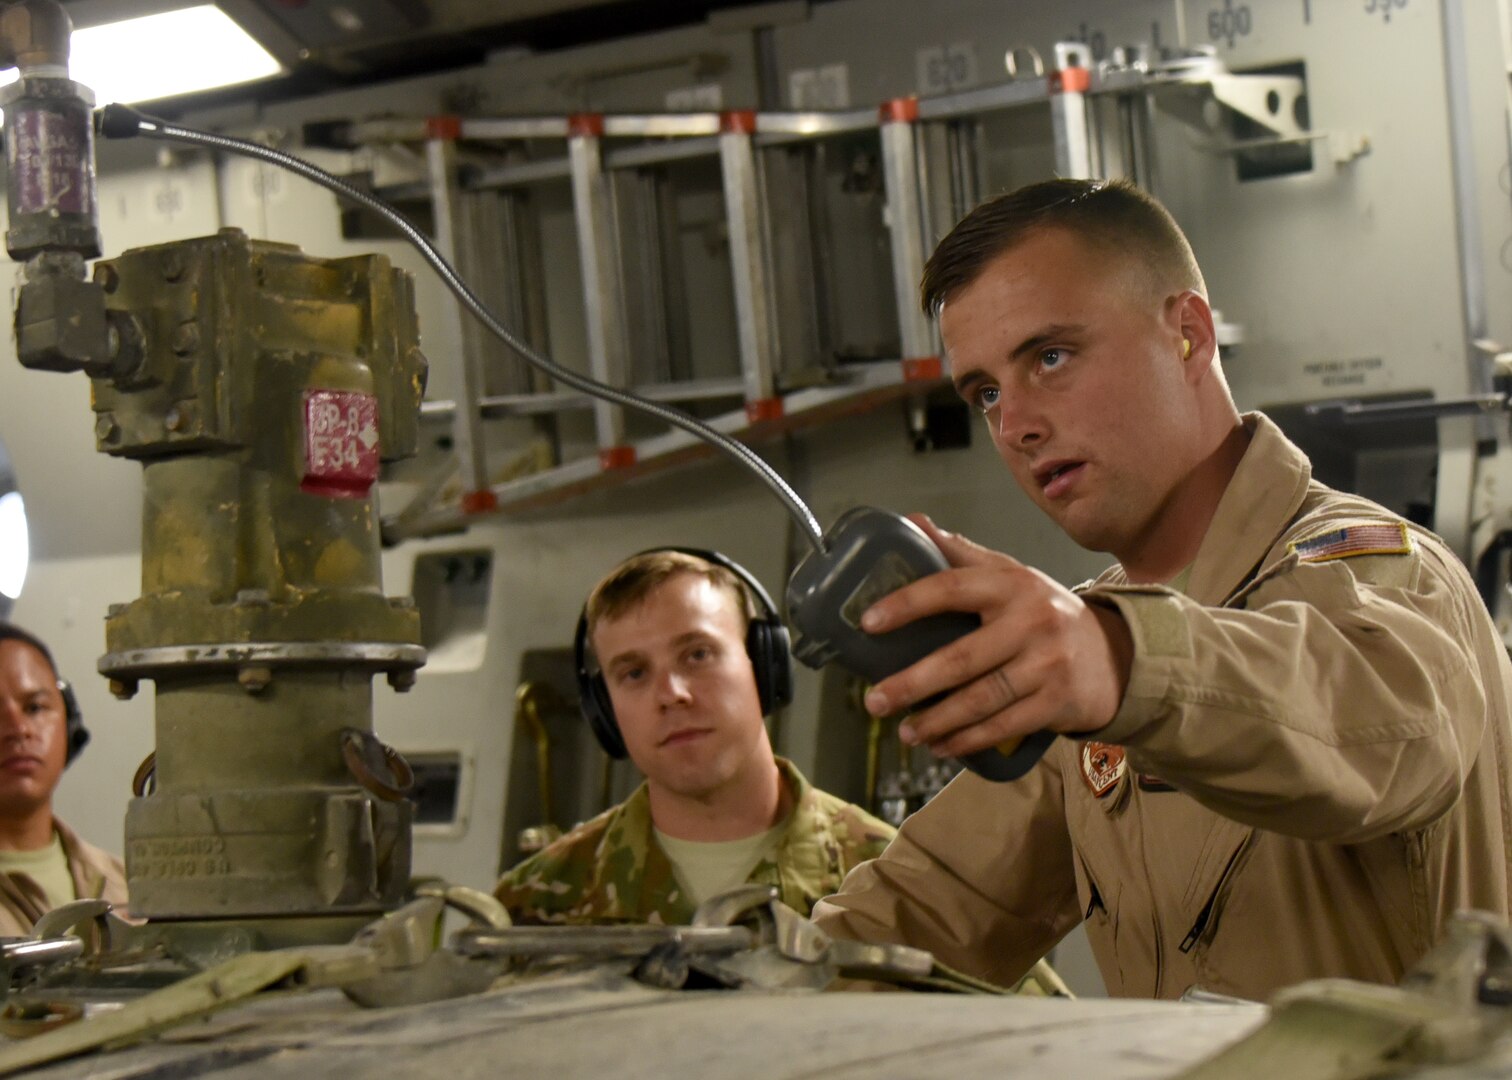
(1051, 359)
(986, 398)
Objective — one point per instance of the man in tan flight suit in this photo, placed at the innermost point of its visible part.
(43, 863)
(1285, 710)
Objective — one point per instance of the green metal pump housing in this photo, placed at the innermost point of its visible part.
(263, 391)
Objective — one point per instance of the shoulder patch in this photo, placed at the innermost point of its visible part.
(1367, 538)
(1103, 766)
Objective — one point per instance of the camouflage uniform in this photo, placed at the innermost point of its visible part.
(611, 870)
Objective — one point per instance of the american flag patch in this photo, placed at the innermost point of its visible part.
(1375, 538)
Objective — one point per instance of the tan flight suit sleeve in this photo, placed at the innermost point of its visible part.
(1343, 704)
(982, 877)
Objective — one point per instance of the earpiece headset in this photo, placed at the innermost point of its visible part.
(766, 644)
(74, 729)
(78, 734)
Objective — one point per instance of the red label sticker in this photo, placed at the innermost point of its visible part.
(341, 443)
(1102, 766)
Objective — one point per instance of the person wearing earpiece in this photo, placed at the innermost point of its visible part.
(1283, 718)
(680, 658)
(43, 863)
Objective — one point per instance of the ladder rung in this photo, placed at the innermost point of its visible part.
(499, 405)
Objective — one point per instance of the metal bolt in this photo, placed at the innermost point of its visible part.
(186, 338)
(173, 265)
(106, 429)
(125, 689)
(402, 680)
(254, 679)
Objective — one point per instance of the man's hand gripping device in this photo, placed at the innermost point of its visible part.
(868, 554)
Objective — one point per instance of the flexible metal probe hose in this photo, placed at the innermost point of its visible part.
(120, 122)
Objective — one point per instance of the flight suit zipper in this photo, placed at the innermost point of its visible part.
(1189, 942)
(1094, 902)
(1210, 909)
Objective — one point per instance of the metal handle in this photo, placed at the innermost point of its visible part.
(365, 754)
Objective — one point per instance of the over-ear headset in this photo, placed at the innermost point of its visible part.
(78, 734)
(766, 645)
(74, 729)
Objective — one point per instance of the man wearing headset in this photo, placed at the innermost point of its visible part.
(691, 657)
(43, 863)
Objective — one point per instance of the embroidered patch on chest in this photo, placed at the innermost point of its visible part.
(1373, 538)
(1102, 766)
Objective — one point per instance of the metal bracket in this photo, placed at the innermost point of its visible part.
(413, 968)
(1200, 91)
(70, 917)
(1450, 1009)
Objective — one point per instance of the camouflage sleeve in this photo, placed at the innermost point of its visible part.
(861, 836)
(878, 837)
(549, 885)
(522, 885)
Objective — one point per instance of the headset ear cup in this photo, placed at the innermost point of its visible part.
(593, 696)
(78, 739)
(782, 667)
(76, 734)
(598, 710)
(772, 662)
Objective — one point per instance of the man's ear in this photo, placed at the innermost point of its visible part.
(1193, 338)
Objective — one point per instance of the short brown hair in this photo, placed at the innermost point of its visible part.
(1114, 216)
(633, 580)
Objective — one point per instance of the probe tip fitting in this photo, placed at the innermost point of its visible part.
(119, 122)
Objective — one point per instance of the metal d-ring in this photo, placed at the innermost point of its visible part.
(365, 755)
(144, 783)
